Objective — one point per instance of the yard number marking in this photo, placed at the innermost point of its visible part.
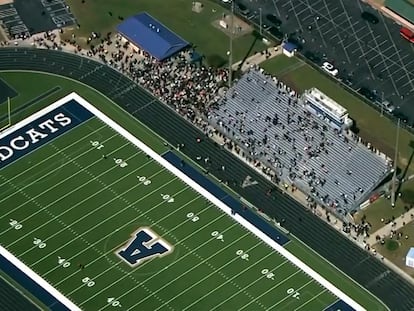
(63, 262)
(217, 235)
(15, 224)
(88, 282)
(242, 255)
(113, 302)
(120, 162)
(39, 243)
(294, 293)
(96, 144)
(268, 274)
(193, 217)
(144, 180)
(168, 198)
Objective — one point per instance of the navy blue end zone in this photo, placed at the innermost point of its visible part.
(41, 131)
(220, 194)
(31, 286)
(23, 141)
(339, 305)
(237, 206)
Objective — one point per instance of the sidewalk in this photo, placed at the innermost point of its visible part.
(54, 42)
(257, 58)
(395, 225)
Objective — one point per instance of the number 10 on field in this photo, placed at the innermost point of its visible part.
(293, 293)
(96, 144)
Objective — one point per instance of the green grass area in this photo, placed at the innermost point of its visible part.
(29, 91)
(331, 273)
(57, 217)
(396, 250)
(197, 28)
(75, 205)
(281, 65)
(379, 211)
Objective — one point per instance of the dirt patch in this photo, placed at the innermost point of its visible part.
(240, 27)
(3, 2)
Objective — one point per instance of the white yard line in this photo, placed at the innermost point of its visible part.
(231, 279)
(218, 270)
(53, 171)
(103, 238)
(189, 270)
(269, 290)
(86, 215)
(179, 242)
(47, 159)
(289, 296)
(32, 199)
(175, 171)
(310, 300)
(257, 280)
(102, 254)
(146, 262)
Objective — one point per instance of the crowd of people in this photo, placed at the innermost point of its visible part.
(189, 87)
(194, 91)
(269, 121)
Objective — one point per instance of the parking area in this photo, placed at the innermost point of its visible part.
(11, 22)
(44, 15)
(370, 56)
(25, 17)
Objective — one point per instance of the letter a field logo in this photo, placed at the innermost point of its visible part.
(145, 244)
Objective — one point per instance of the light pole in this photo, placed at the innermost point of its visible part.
(230, 51)
(394, 176)
(260, 20)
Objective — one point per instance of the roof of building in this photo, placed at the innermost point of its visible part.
(410, 253)
(289, 46)
(404, 8)
(326, 102)
(152, 36)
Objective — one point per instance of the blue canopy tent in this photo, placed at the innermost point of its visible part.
(148, 34)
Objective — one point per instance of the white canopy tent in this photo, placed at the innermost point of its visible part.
(409, 259)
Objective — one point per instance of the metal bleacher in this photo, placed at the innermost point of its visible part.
(266, 119)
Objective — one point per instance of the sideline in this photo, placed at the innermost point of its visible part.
(158, 158)
(223, 207)
(120, 109)
(38, 280)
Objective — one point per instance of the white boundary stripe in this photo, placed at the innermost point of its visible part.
(48, 158)
(35, 277)
(280, 249)
(310, 300)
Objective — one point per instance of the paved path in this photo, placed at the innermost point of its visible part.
(385, 231)
(257, 58)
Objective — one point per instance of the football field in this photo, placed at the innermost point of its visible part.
(107, 223)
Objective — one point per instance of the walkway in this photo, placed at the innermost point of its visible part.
(257, 58)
